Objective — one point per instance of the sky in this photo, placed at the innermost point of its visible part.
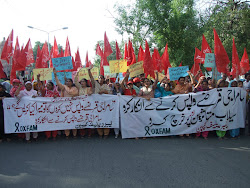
(86, 21)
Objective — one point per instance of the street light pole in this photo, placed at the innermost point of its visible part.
(48, 32)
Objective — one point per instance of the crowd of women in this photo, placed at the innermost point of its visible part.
(138, 86)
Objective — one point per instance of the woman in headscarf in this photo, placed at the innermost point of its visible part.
(67, 90)
(28, 91)
(3, 94)
(83, 89)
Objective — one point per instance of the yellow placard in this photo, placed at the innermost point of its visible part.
(136, 69)
(161, 76)
(83, 73)
(45, 73)
(117, 66)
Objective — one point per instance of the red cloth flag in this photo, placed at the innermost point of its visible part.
(67, 51)
(131, 55)
(87, 62)
(78, 61)
(180, 64)
(107, 47)
(235, 62)
(61, 54)
(147, 63)
(7, 51)
(38, 53)
(44, 57)
(156, 58)
(126, 51)
(165, 60)
(29, 53)
(118, 52)
(244, 63)
(197, 61)
(55, 49)
(205, 48)
(221, 57)
(100, 53)
(140, 54)
(16, 58)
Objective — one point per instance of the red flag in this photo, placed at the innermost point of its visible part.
(221, 57)
(61, 54)
(165, 60)
(180, 64)
(38, 53)
(16, 58)
(131, 55)
(100, 53)
(148, 64)
(44, 57)
(107, 47)
(197, 56)
(195, 68)
(67, 49)
(126, 51)
(235, 62)
(50, 57)
(118, 52)
(55, 49)
(87, 62)
(7, 51)
(244, 63)
(140, 54)
(29, 53)
(205, 48)
(156, 58)
(78, 61)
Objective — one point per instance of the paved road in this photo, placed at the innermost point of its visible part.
(155, 162)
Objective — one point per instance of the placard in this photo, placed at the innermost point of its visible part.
(62, 63)
(136, 69)
(45, 73)
(209, 60)
(61, 76)
(176, 72)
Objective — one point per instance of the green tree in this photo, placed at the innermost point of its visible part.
(38, 43)
(230, 18)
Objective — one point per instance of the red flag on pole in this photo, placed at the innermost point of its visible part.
(156, 58)
(61, 54)
(140, 54)
(235, 62)
(55, 49)
(16, 58)
(67, 51)
(197, 61)
(126, 51)
(221, 57)
(131, 55)
(147, 63)
(205, 48)
(38, 53)
(78, 61)
(165, 60)
(118, 52)
(87, 62)
(107, 47)
(44, 57)
(29, 53)
(7, 51)
(244, 63)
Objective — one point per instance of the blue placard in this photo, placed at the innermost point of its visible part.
(60, 76)
(209, 60)
(62, 63)
(176, 72)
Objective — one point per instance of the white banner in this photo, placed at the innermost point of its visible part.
(217, 109)
(41, 113)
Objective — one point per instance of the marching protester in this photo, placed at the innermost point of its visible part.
(67, 90)
(48, 91)
(3, 94)
(84, 89)
(202, 87)
(220, 84)
(100, 87)
(165, 87)
(234, 133)
(28, 91)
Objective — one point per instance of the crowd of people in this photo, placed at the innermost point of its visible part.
(138, 86)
